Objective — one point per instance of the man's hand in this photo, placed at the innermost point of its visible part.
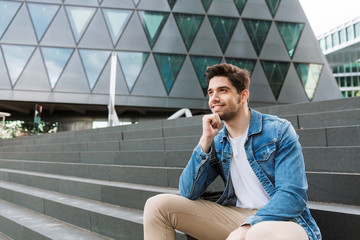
(239, 233)
(211, 126)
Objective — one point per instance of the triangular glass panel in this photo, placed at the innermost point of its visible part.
(94, 62)
(136, 2)
(273, 6)
(223, 28)
(116, 20)
(79, 18)
(172, 3)
(55, 61)
(188, 25)
(41, 16)
(290, 33)
(257, 31)
(247, 64)
(131, 64)
(206, 4)
(200, 64)
(7, 12)
(240, 4)
(169, 66)
(16, 58)
(100, 1)
(309, 74)
(153, 22)
(275, 73)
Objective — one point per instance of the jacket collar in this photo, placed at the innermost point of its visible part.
(255, 125)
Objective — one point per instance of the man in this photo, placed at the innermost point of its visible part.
(265, 194)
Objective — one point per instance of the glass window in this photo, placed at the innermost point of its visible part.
(356, 93)
(153, 22)
(349, 33)
(322, 44)
(41, 16)
(223, 28)
(309, 75)
(55, 61)
(328, 43)
(171, 3)
(349, 93)
(354, 67)
(240, 4)
(347, 67)
(356, 81)
(248, 64)
(335, 70)
(16, 58)
(116, 21)
(344, 94)
(206, 4)
(169, 66)
(335, 39)
(342, 37)
(79, 18)
(94, 62)
(342, 82)
(200, 64)
(273, 6)
(349, 82)
(188, 25)
(257, 31)
(131, 64)
(7, 13)
(290, 33)
(357, 29)
(341, 69)
(275, 73)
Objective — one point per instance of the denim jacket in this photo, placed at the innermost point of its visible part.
(274, 153)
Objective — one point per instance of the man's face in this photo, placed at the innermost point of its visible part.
(223, 98)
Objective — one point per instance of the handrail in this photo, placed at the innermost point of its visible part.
(181, 112)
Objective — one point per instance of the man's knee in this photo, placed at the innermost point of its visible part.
(159, 203)
(276, 231)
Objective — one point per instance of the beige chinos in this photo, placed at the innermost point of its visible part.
(208, 220)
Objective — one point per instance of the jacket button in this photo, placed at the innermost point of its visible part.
(203, 157)
(224, 160)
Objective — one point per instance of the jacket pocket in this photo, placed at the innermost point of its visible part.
(265, 152)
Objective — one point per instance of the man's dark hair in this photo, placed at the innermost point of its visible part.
(239, 78)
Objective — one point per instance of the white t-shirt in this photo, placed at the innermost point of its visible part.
(248, 189)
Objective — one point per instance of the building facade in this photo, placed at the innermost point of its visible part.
(341, 46)
(57, 53)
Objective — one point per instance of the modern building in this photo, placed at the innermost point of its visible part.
(57, 53)
(341, 46)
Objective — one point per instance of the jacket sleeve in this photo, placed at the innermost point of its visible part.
(289, 199)
(197, 175)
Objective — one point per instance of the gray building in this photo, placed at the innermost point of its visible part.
(57, 53)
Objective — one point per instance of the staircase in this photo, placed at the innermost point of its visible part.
(93, 184)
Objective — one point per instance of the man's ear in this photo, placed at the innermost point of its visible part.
(245, 95)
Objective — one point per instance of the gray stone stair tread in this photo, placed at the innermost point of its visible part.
(334, 207)
(4, 237)
(44, 225)
(77, 202)
(98, 182)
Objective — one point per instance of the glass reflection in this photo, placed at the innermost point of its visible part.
(7, 13)
(257, 31)
(55, 61)
(275, 73)
(153, 22)
(223, 28)
(94, 62)
(131, 64)
(41, 16)
(116, 21)
(188, 25)
(79, 18)
(309, 74)
(290, 33)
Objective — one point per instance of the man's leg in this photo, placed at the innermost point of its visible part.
(273, 230)
(200, 219)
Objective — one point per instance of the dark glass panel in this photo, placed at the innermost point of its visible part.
(240, 4)
(172, 3)
(169, 66)
(153, 22)
(257, 31)
(247, 64)
(206, 4)
(290, 33)
(273, 6)
(224, 28)
(275, 73)
(188, 25)
(200, 64)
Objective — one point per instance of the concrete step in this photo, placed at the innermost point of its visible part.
(343, 222)
(156, 176)
(4, 237)
(99, 190)
(104, 219)
(20, 223)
